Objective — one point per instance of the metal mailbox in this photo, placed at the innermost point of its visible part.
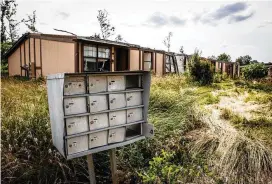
(93, 112)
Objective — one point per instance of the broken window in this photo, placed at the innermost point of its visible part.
(96, 58)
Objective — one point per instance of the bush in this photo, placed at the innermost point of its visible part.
(202, 72)
(255, 71)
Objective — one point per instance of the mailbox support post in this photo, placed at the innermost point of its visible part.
(113, 165)
(91, 169)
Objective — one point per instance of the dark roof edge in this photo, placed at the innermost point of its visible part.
(15, 45)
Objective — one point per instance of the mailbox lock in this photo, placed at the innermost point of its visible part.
(66, 86)
(151, 132)
(92, 122)
(69, 126)
(129, 98)
(112, 100)
(110, 83)
(91, 84)
(93, 103)
(94, 138)
(79, 85)
(113, 134)
(67, 106)
(130, 115)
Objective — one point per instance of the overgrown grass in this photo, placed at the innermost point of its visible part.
(28, 155)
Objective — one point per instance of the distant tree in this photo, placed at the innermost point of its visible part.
(96, 35)
(181, 50)
(119, 38)
(244, 60)
(9, 32)
(212, 57)
(224, 57)
(30, 22)
(167, 41)
(106, 28)
(254, 61)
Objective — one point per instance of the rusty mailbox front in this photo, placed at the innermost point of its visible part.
(93, 112)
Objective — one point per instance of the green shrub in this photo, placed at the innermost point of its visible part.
(255, 71)
(202, 72)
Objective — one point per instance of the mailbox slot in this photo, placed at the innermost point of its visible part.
(98, 139)
(98, 121)
(75, 105)
(77, 144)
(74, 85)
(97, 84)
(117, 118)
(134, 98)
(116, 83)
(133, 81)
(98, 103)
(117, 101)
(134, 115)
(133, 130)
(77, 125)
(116, 135)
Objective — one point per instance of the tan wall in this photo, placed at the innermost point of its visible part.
(27, 52)
(154, 60)
(38, 58)
(159, 64)
(14, 67)
(134, 60)
(22, 57)
(57, 57)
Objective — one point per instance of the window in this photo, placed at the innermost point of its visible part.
(147, 61)
(89, 50)
(96, 58)
(103, 52)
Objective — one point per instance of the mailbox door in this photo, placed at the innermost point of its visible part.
(116, 135)
(97, 84)
(75, 105)
(117, 101)
(134, 98)
(134, 115)
(77, 144)
(117, 118)
(76, 125)
(98, 121)
(74, 85)
(116, 83)
(98, 139)
(98, 103)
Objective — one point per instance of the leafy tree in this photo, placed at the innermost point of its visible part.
(254, 61)
(244, 60)
(255, 71)
(119, 38)
(106, 28)
(224, 57)
(212, 57)
(167, 41)
(30, 22)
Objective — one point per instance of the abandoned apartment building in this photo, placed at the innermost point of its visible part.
(34, 55)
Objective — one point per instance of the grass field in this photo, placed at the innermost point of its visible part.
(191, 122)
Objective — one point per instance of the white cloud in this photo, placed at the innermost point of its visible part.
(229, 32)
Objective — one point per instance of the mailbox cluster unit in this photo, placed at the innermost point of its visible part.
(92, 112)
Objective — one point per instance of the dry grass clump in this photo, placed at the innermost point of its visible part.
(237, 158)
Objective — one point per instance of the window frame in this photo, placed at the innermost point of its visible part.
(97, 46)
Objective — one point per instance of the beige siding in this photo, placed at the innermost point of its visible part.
(57, 57)
(154, 60)
(141, 60)
(159, 64)
(134, 60)
(38, 58)
(14, 63)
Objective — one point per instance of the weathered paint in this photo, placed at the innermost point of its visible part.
(159, 64)
(14, 63)
(57, 57)
(134, 60)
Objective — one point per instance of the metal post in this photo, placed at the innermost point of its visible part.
(113, 166)
(91, 169)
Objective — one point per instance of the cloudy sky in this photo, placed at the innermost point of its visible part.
(235, 27)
